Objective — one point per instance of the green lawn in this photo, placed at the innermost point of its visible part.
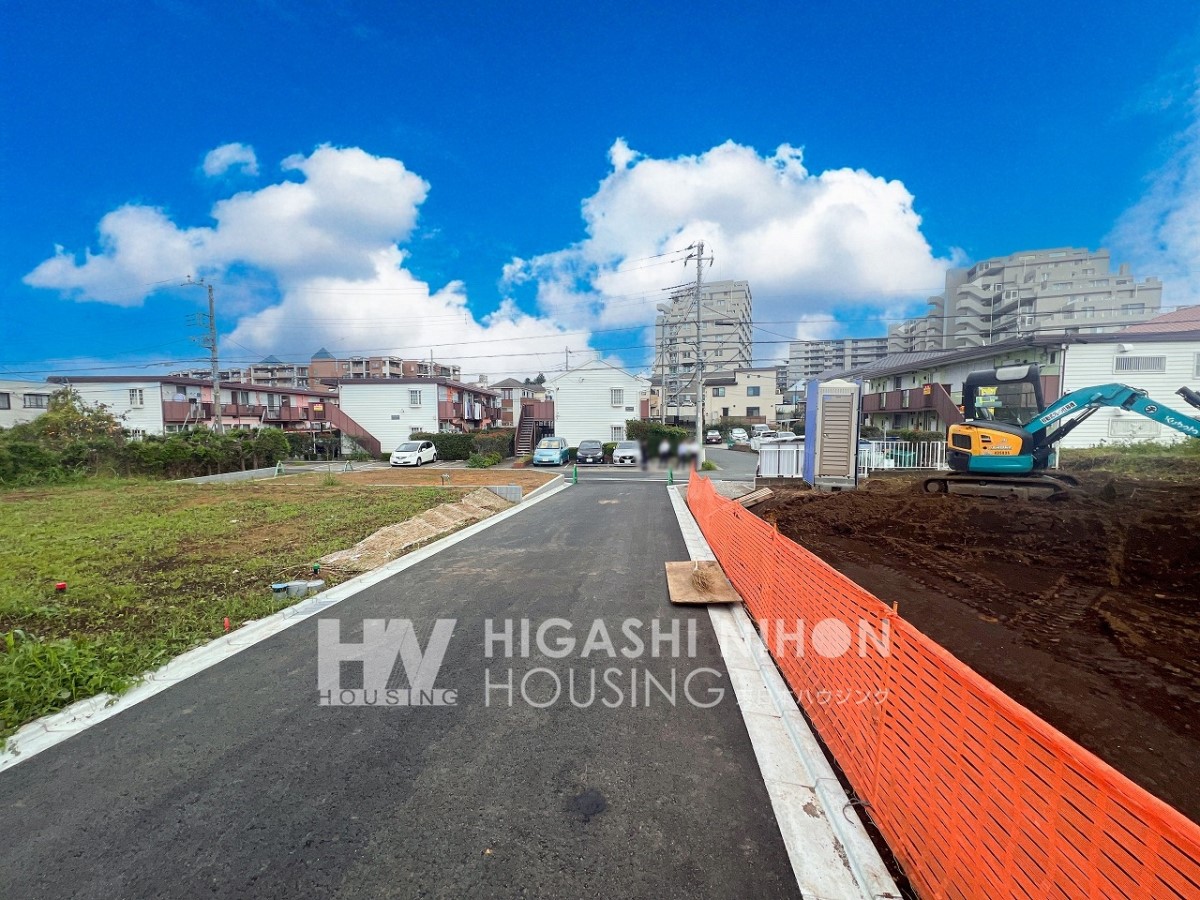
(152, 569)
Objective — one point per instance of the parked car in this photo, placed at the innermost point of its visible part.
(739, 436)
(551, 451)
(756, 430)
(589, 453)
(627, 453)
(413, 453)
(712, 436)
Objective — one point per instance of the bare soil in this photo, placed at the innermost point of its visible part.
(1086, 611)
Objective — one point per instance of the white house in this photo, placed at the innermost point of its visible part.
(1158, 363)
(593, 401)
(391, 412)
(749, 394)
(23, 401)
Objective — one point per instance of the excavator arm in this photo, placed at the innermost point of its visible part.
(1072, 409)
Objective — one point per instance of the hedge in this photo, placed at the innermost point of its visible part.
(651, 434)
(453, 446)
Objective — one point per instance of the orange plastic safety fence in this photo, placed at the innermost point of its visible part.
(975, 795)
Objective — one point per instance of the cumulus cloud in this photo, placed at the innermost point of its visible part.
(1160, 234)
(327, 247)
(809, 244)
(222, 159)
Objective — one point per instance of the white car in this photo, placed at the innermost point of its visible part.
(414, 453)
(627, 453)
(739, 436)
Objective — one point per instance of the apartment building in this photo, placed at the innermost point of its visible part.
(724, 342)
(808, 359)
(391, 409)
(23, 401)
(1066, 290)
(324, 365)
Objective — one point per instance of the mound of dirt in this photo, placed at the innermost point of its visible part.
(1086, 611)
(392, 541)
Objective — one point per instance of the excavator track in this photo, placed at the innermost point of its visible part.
(1024, 487)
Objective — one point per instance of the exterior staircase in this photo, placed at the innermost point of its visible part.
(349, 428)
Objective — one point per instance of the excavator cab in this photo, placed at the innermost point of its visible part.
(998, 404)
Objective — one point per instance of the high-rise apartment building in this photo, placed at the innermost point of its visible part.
(325, 365)
(808, 359)
(724, 340)
(1065, 290)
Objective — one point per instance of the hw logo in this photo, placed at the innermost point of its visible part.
(383, 641)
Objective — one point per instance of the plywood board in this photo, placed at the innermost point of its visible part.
(683, 590)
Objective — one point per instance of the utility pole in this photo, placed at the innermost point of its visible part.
(209, 341)
(698, 255)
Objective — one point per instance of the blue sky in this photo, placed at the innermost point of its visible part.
(499, 181)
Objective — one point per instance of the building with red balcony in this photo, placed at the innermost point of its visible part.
(391, 409)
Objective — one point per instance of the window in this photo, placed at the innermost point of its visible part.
(752, 411)
(1140, 364)
(1195, 367)
(136, 434)
(618, 432)
(718, 392)
(5, 401)
(37, 401)
(414, 398)
(136, 397)
(617, 397)
(1133, 309)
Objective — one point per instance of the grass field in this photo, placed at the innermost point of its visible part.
(1169, 462)
(153, 569)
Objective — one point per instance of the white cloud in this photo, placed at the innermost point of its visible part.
(1160, 234)
(223, 158)
(328, 247)
(809, 244)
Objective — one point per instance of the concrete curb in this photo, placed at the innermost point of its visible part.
(43, 733)
(831, 853)
(558, 481)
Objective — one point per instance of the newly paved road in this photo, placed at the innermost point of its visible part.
(236, 783)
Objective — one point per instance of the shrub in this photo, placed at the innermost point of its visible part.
(483, 460)
(609, 448)
(449, 445)
(651, 434)
(495, 440)
(708, 465)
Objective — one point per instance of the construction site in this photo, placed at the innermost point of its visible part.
(1083, 611)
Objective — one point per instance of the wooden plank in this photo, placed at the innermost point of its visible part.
(754, 497)
(682, 589)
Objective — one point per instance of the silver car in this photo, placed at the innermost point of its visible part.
(627, 453)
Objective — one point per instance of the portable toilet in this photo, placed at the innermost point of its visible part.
(831, 429)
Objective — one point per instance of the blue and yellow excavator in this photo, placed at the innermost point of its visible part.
(1005, 445)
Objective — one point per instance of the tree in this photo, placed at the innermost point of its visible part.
(68, 420)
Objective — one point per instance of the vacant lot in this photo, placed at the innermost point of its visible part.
(154, 568)
(528, 479)
(1086, 611)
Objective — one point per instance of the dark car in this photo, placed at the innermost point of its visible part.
(589, 453)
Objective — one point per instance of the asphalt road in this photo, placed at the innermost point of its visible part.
(237, 783)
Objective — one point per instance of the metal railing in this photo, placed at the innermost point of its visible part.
(882, 455)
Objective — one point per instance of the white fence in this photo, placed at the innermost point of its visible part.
(875, 455)
(781, 460)
(786, 460)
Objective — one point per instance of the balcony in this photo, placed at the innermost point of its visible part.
(930, 396)
(287, 414)
(184, 411)
(242, 410)
(448, 409)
